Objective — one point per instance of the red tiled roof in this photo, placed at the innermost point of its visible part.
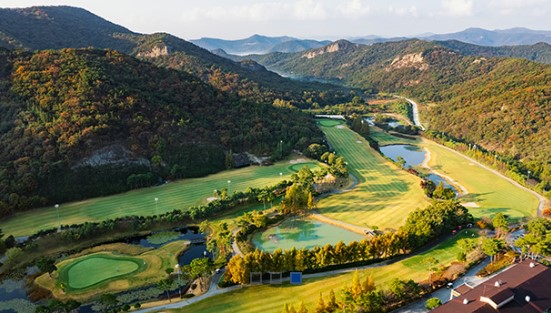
(520, 280)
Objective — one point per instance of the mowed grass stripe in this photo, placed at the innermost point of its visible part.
(175, 195)
(384, 195)
(490, 192)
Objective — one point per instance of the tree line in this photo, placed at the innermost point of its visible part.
(421, 226)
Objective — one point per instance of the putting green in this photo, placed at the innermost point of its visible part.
(297, 167)
(97, 268)
(330, 123)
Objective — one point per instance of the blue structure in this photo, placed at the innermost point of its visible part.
(296, 278)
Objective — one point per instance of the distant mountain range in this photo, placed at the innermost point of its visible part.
(495, 38)
(258, 44)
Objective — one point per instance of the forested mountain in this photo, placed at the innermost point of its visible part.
(502, 104)
(39, 28)
(246, 78)
(62, 27)
(80, 123)
(258, 44)
(540, 52)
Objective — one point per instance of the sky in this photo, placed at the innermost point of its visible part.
(316, 19)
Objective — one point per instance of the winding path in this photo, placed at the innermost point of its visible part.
(416, 120)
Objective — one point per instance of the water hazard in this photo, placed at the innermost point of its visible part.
(302, 233)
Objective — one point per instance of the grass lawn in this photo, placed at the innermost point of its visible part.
(174, 195)
(384, 195)
(116, 268)
(491, 193)
(384, 138)
(266, 298)
(94, 269)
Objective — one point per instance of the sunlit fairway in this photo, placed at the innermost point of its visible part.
(490, 192)
(384, 195)
(270, 298)
(174, 195)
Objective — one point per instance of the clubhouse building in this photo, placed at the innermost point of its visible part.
(523, 288)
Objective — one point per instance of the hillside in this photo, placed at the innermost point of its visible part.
(121, 123)
(245, 78)
(56, 27)
(501, 104)
(540, 52)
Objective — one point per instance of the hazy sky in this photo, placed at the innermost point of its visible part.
(319, 19)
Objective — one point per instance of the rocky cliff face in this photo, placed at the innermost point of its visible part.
(339, 45)
(154, 53)
(112, 155)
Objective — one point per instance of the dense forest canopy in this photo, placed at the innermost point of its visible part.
(58, 27)
(72, 117)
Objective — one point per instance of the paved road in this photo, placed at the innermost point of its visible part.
(416, 120)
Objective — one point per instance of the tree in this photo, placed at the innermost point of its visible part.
(165, 285)
(431, 262)
(500, 223)
(491, 247)
(401, 161)
(108, 299)
(239, 273)
(321, 307)
(433, 303)
(311, 201)
(296, 198)
(13, 254)
(229, 159)
(46, 265)
(198, 268)
(302, 308)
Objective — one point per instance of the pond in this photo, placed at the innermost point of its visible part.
(413, 155)
(196, 250)
(302, 233)
(438, 179)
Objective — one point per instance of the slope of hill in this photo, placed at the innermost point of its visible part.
(502, 104)
(506, 37)
(59, 27)
(540, 52)
(121, 123)
(258, 44)
(39, 28)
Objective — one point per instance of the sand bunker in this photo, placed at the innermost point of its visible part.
(470, 205)
(295, 161)
(340, 126)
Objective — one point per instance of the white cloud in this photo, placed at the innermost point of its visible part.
(512, 7)
(353, 9)
(457, 8)
(403, 11)
(302, 10)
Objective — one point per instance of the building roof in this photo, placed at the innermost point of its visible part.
(525, 287)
